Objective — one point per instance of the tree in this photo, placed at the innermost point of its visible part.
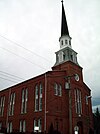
(96, 116)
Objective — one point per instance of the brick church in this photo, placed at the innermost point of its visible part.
(57, 100)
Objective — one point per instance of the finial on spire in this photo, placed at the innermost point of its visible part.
(62, 1)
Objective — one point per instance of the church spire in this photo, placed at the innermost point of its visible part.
(64, 27)
(65, 39)
(66, 53)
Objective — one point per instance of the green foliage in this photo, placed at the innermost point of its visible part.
(96, 116)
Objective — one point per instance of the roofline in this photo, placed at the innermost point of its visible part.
(31, 79)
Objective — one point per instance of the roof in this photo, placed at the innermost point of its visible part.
(31, 79)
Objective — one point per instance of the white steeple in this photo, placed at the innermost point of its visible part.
(66, 53)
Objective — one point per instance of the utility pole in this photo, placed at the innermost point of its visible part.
(45, 109)
(68, 86)
(70, 105)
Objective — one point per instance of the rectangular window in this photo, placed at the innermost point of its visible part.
(38, 125)
(78, 103)
(2, 102)
(35, 125)
(9, 127)
(11, 104)
(24, 101)
(22, 126)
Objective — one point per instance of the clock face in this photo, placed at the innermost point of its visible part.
(76, 77)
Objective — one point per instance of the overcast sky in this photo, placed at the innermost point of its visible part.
(29, 38)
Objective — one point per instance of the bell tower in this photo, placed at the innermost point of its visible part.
(66, 53)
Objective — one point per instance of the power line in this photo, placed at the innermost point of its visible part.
(22, 57)
(96, 98)
(17, 44)
(12, 75)
(7, 79)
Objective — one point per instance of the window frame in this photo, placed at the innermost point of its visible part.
(9, 127)
(11, 104)
(22, 127)
(36, 98)
(78, 101)
(57, 89)
(2, 104)
(24, 100)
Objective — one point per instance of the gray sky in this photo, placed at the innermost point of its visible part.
(35, 25)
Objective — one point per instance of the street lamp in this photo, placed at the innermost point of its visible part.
(76, 129)
(87, 97)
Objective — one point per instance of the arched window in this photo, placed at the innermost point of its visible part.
(71, 56)
(60, 90)
(63, 56)
(40, 97)
(36, 98)
(66, 42)
(62, 42)
(2, 103)
(11, 104)
(40, 88)
(78, 102)
(24, 100)
(55, 89)
(69, 42)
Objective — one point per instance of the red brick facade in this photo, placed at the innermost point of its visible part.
(55, 108)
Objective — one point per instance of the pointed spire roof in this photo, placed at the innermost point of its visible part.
(64, 27)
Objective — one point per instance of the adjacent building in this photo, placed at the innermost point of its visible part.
(57, 98)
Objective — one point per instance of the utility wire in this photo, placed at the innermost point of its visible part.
(22, 57)
(7, 79)
(96, 98)
(17, 44)
(11, 75)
